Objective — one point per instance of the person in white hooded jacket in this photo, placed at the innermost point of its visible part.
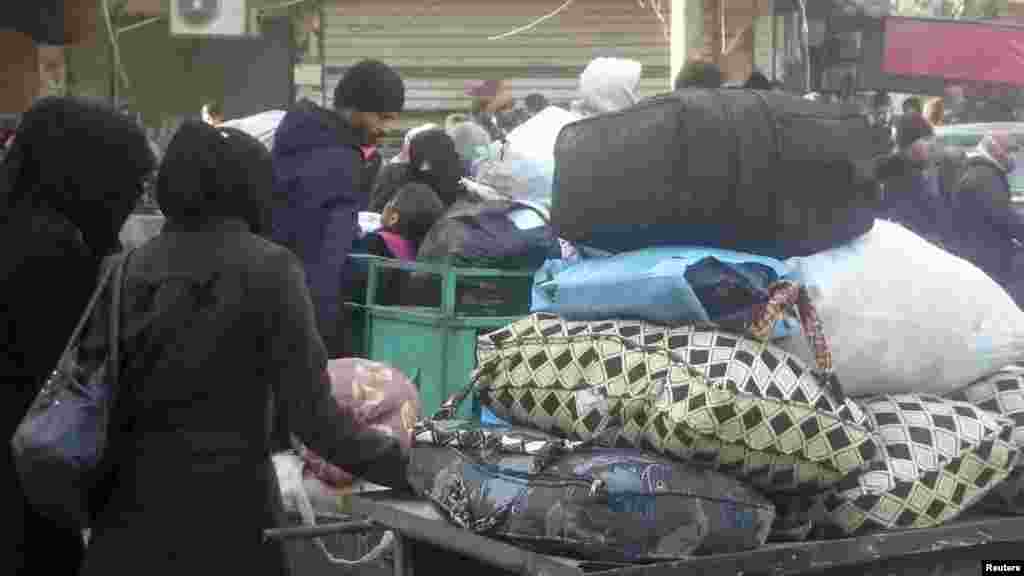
(608, 85)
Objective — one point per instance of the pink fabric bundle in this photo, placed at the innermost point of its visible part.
(382, 399)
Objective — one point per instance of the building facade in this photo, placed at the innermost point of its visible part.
(441, 45)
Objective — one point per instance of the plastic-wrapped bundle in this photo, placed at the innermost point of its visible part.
(601, 503)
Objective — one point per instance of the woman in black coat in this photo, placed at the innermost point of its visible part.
(71, 178)
(221, 363)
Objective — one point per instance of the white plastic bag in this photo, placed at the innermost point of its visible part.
(902, 315)
(526, 168)
(368, 223)
(262, 126)
(518, 178)
(298, 494)
(536, 137)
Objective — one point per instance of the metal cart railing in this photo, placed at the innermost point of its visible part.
(955, 549)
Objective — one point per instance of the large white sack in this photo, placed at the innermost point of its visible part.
(527, 163)
(262, 126)
(536, 137)
(902, 315)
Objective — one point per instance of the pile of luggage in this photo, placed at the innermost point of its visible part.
(758, 359)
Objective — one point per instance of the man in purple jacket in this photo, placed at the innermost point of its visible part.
(322, 181)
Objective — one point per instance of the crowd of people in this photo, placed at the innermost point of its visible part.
(232, 312)
(958, 199)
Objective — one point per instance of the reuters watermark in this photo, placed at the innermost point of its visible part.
(1002, 567)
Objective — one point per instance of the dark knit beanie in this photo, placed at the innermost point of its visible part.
(370, 86)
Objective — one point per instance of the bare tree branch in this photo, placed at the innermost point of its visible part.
(535, 23)
(655, 6)
(666, 29)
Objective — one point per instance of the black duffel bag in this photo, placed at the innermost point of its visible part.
(761, 172)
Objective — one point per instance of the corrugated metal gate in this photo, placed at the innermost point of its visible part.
(440, 45)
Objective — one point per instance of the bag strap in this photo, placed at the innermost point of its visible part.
(450, 406)
(108, 266)
(544, 452)
(113, 362)
(117, 286)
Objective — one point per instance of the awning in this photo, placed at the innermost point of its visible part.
(954, 50)
(43, 20)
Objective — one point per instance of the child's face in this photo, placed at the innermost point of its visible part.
(389, 216)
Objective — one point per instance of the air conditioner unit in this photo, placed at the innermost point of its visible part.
(210, 18)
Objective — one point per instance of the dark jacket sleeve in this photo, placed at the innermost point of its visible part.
(325, 232)
(990, 190)
(303, 394)
(985, 193)
(369, 174)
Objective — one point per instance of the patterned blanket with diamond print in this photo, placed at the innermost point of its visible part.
(694, 393)
(1002, 393)
(939, 457)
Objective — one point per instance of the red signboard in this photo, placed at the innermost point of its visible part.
(954, 50)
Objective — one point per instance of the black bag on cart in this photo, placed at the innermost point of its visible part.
(760, 172)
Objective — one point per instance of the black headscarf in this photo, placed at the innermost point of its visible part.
(80, 159)
(210, 174)
(433, 160)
